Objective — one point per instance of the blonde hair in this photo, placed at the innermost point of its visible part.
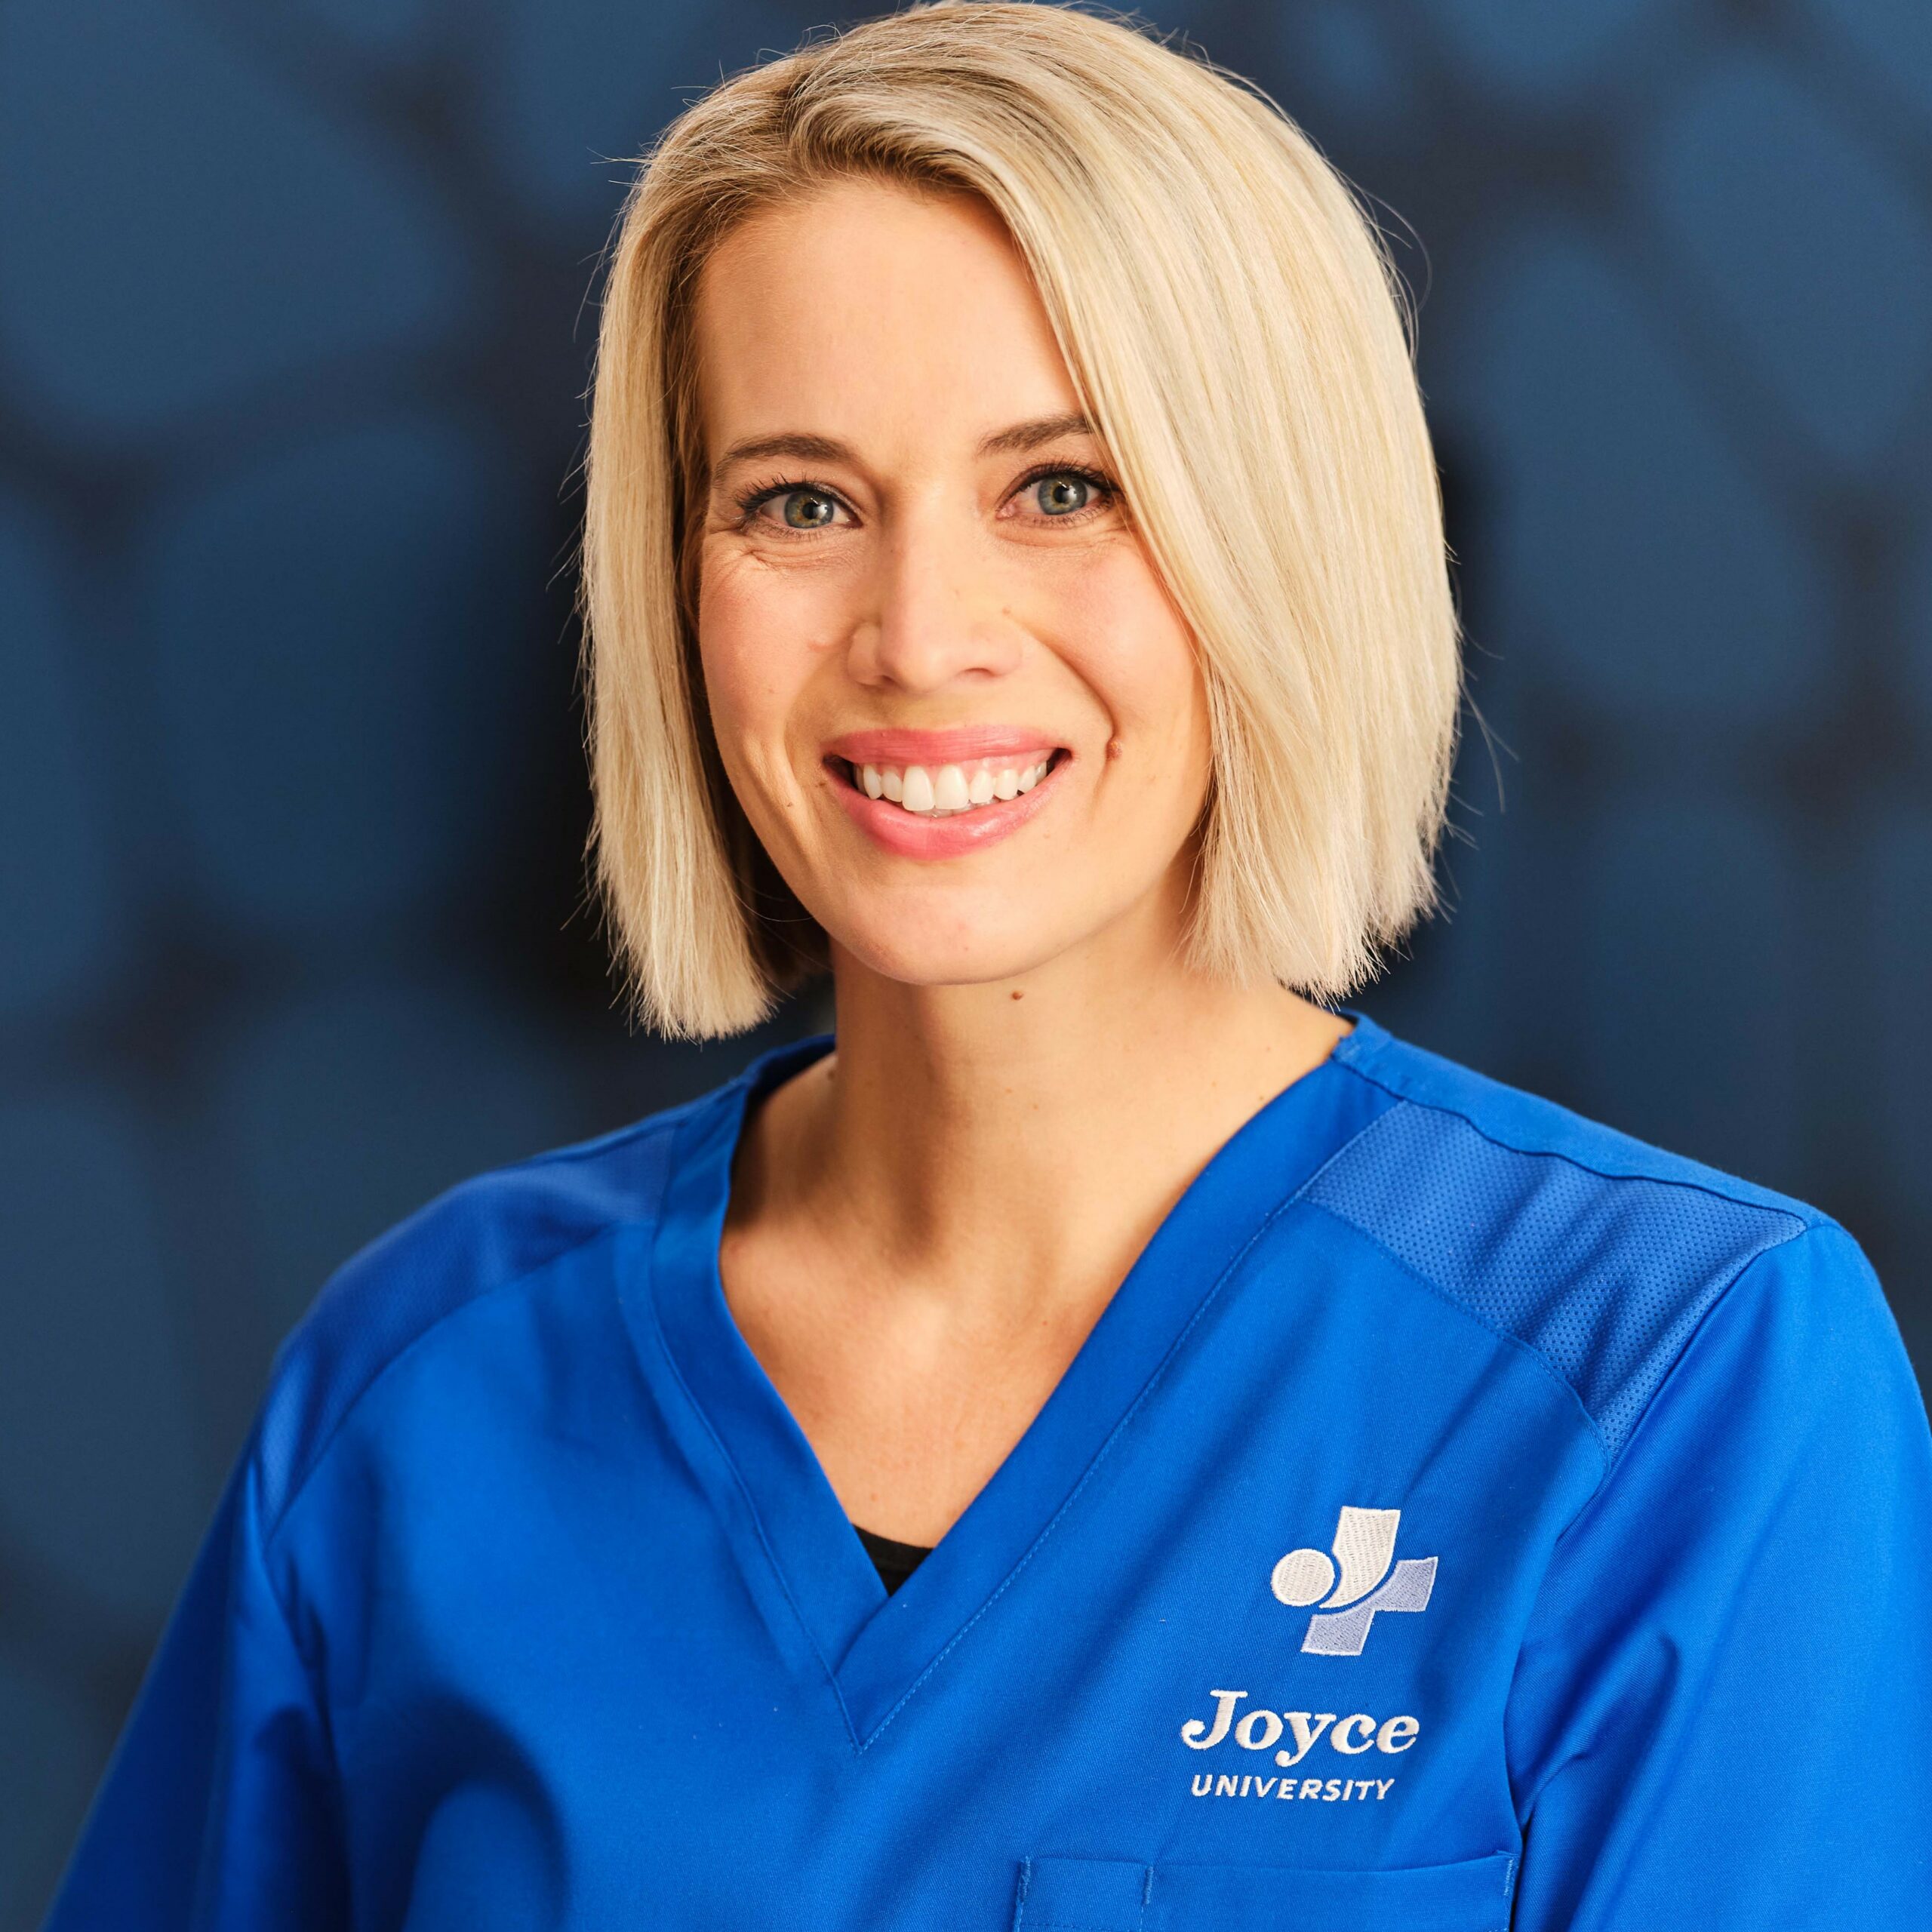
(1237, 333)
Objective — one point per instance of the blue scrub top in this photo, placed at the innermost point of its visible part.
(1462, 1516)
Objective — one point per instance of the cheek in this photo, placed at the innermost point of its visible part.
(1132, 647)
(753, 632)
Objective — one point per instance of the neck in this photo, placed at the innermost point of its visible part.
(1006, 1149)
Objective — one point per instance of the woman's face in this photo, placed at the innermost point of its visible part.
(955, 701)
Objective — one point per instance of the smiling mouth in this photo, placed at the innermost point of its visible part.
(947, 790)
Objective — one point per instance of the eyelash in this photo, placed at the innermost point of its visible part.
(1105, 489)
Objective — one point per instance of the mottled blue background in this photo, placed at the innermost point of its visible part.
(293, 337)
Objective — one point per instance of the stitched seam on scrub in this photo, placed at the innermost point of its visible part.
(745, 1496)
(1795, 1210)
(1066, 1925)
(1515, 1343)
(1716, 1301)
(320, 1454)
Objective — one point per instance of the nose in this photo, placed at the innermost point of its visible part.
(932, 612)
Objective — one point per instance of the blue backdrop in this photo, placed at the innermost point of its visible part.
(293, 340)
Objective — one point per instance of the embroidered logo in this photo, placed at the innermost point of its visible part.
(1355, 1585)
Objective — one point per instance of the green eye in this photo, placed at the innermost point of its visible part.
(808, 510)
(1062, 495)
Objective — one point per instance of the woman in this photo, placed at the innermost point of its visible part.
(1118, 1443)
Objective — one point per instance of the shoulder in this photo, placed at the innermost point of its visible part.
(484, 1236)
(1600, 1252)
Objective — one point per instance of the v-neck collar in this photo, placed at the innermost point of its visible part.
(878, 1650)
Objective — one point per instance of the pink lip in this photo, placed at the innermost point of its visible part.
(952, 747)
(912, 836)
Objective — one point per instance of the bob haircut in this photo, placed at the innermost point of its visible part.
(1238, 335)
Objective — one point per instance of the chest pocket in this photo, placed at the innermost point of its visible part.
(1108, 1895)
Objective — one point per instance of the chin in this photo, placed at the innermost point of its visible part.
(927, 958)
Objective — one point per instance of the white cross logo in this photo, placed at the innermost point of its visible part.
(1364, 1543)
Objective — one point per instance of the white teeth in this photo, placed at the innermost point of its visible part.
(949, 789)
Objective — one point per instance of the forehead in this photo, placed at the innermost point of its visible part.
(865, 311)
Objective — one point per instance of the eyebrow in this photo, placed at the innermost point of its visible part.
(806, 449)
(1015, 440)
(1025, 436)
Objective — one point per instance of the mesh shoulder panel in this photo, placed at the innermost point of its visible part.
(1605, 1275)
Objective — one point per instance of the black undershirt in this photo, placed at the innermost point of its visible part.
(894, 1561)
